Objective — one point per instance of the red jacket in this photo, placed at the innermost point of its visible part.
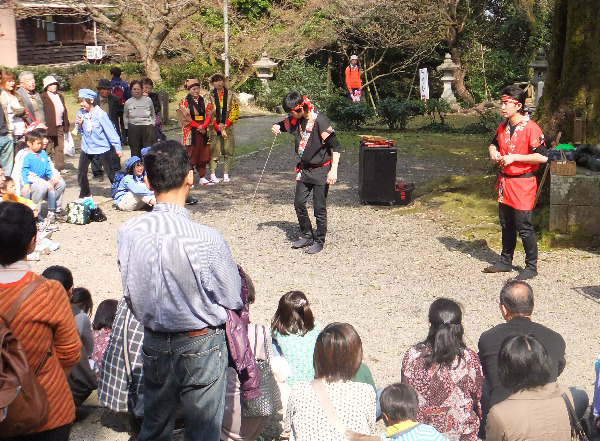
(353, 78)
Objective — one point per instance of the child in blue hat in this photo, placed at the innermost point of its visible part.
(132, 192)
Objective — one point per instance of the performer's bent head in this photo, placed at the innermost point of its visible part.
(515, 94)
(292, 101)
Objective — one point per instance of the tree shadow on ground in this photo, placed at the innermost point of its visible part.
(291, 230)
(478, 249)
(590, 292)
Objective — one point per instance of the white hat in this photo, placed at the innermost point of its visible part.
(354, 57)
(49, 80)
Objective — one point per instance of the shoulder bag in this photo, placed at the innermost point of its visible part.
(577, 432)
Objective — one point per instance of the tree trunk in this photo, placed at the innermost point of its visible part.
(572, 86)
(152, 69)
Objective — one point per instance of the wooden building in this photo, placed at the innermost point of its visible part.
(38, 32)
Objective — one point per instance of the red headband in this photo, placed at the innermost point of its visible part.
(305, 102)
(509, 100)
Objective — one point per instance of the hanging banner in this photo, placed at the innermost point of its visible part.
(94, 52)
(424, 76)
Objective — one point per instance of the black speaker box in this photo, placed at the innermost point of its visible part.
(377, 174)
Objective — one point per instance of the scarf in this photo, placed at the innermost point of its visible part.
(195, 109)
(305, 134)
(89, 116)
(221, 114)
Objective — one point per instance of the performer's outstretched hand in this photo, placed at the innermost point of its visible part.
(275, 129)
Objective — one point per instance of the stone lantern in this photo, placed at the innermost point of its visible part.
(264, 68)
(447, 69)
(540, 67)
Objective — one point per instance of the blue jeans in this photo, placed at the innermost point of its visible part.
(191, 370)
(6, 154)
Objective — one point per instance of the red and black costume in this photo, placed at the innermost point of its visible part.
(517, 187)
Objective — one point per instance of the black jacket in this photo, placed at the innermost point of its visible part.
(489, 346)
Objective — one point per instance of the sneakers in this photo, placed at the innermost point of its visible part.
(526, 274)
(191, 201)
(214, 179)
(204, 181)
(498, 267)
(226, 178)
(303, 242)
(314, 248)
(51, 217)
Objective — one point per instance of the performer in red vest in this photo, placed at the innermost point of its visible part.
(518, 147)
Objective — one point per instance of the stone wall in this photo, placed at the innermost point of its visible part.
(575, 210)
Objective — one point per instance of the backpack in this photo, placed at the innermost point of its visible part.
(23, 400)
(115, 185)
(119, 93)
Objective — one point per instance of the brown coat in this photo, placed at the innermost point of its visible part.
(538, 414)
(50, 114)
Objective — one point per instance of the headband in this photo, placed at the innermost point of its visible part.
(510, 100)
(305, 102)
(192, 85)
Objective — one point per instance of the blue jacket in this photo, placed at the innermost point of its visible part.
(38, 164)
(98, 132)
(134, 185)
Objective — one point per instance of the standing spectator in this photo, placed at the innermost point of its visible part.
(98, 136)
(31, 98)
(353, 83)
(518, 147)
(120, 89)
(44, 321)
(446, 375)
(179, 278)
(536, 409)
(338, 355)
(194, 135)
(57, 121)
(138, 115)
(6, 141)
(224, 112)
(147, 88)
(111, 105)
(14, 109)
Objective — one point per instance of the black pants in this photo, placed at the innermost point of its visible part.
(82, 172)
(140, 137)
(57, 434)
(319, 192)
(513, 221)
(97, 165)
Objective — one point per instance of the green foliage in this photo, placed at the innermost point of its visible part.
(252, 9)
(396, 113)
(489, 120)
(437, 108)
(174, 75)
(348, 114)
(305, 78)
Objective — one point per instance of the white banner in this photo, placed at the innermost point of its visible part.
(94, 52)
(424, 76)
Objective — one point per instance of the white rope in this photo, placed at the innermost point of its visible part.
(265, 166)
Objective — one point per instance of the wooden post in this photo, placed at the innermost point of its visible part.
(163, 97)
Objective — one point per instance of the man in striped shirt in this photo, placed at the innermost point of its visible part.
(179, 278)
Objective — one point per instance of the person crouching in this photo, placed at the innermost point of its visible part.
(133, 193)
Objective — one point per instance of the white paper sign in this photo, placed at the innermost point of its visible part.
(424, 76)
(94, 52)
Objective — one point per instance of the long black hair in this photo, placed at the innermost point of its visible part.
(445, 337)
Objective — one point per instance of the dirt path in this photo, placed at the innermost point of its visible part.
(380, 268)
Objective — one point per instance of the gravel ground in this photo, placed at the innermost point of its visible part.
(379, 271)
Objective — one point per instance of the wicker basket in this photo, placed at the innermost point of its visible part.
(563, 167)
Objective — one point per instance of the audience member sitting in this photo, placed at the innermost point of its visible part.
(337, 357)
(132, 192)
(82, 380)
(536, 409)
(295, 332)
(38, 177)
(446, 375)
(101, 329)
(399, 406)
(9, 193)
(516, 306)
(44, 320)
(82, 305)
